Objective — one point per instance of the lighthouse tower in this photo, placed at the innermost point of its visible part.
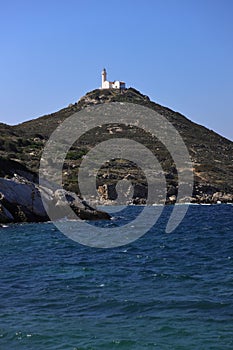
(104, 77)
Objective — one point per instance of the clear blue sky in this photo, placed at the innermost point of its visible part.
(178, 52)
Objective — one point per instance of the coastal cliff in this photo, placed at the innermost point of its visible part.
(20, 198)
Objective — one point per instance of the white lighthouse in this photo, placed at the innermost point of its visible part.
(111, 84)
(104, 77)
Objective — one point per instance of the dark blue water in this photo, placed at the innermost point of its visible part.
(164, 291)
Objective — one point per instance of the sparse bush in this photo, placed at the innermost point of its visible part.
(10, 146)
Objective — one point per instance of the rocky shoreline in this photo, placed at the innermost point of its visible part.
(200, 196)
(20, 201)
(20, 197)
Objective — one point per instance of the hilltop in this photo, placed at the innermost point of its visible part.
(211, 154)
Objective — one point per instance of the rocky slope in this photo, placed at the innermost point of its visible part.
(211, 154)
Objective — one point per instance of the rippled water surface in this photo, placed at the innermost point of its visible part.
(164, 291)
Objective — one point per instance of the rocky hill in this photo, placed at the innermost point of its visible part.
(211, 154)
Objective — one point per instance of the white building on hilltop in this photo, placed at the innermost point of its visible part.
(111, 84)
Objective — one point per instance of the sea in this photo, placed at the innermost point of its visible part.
(162, 291)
